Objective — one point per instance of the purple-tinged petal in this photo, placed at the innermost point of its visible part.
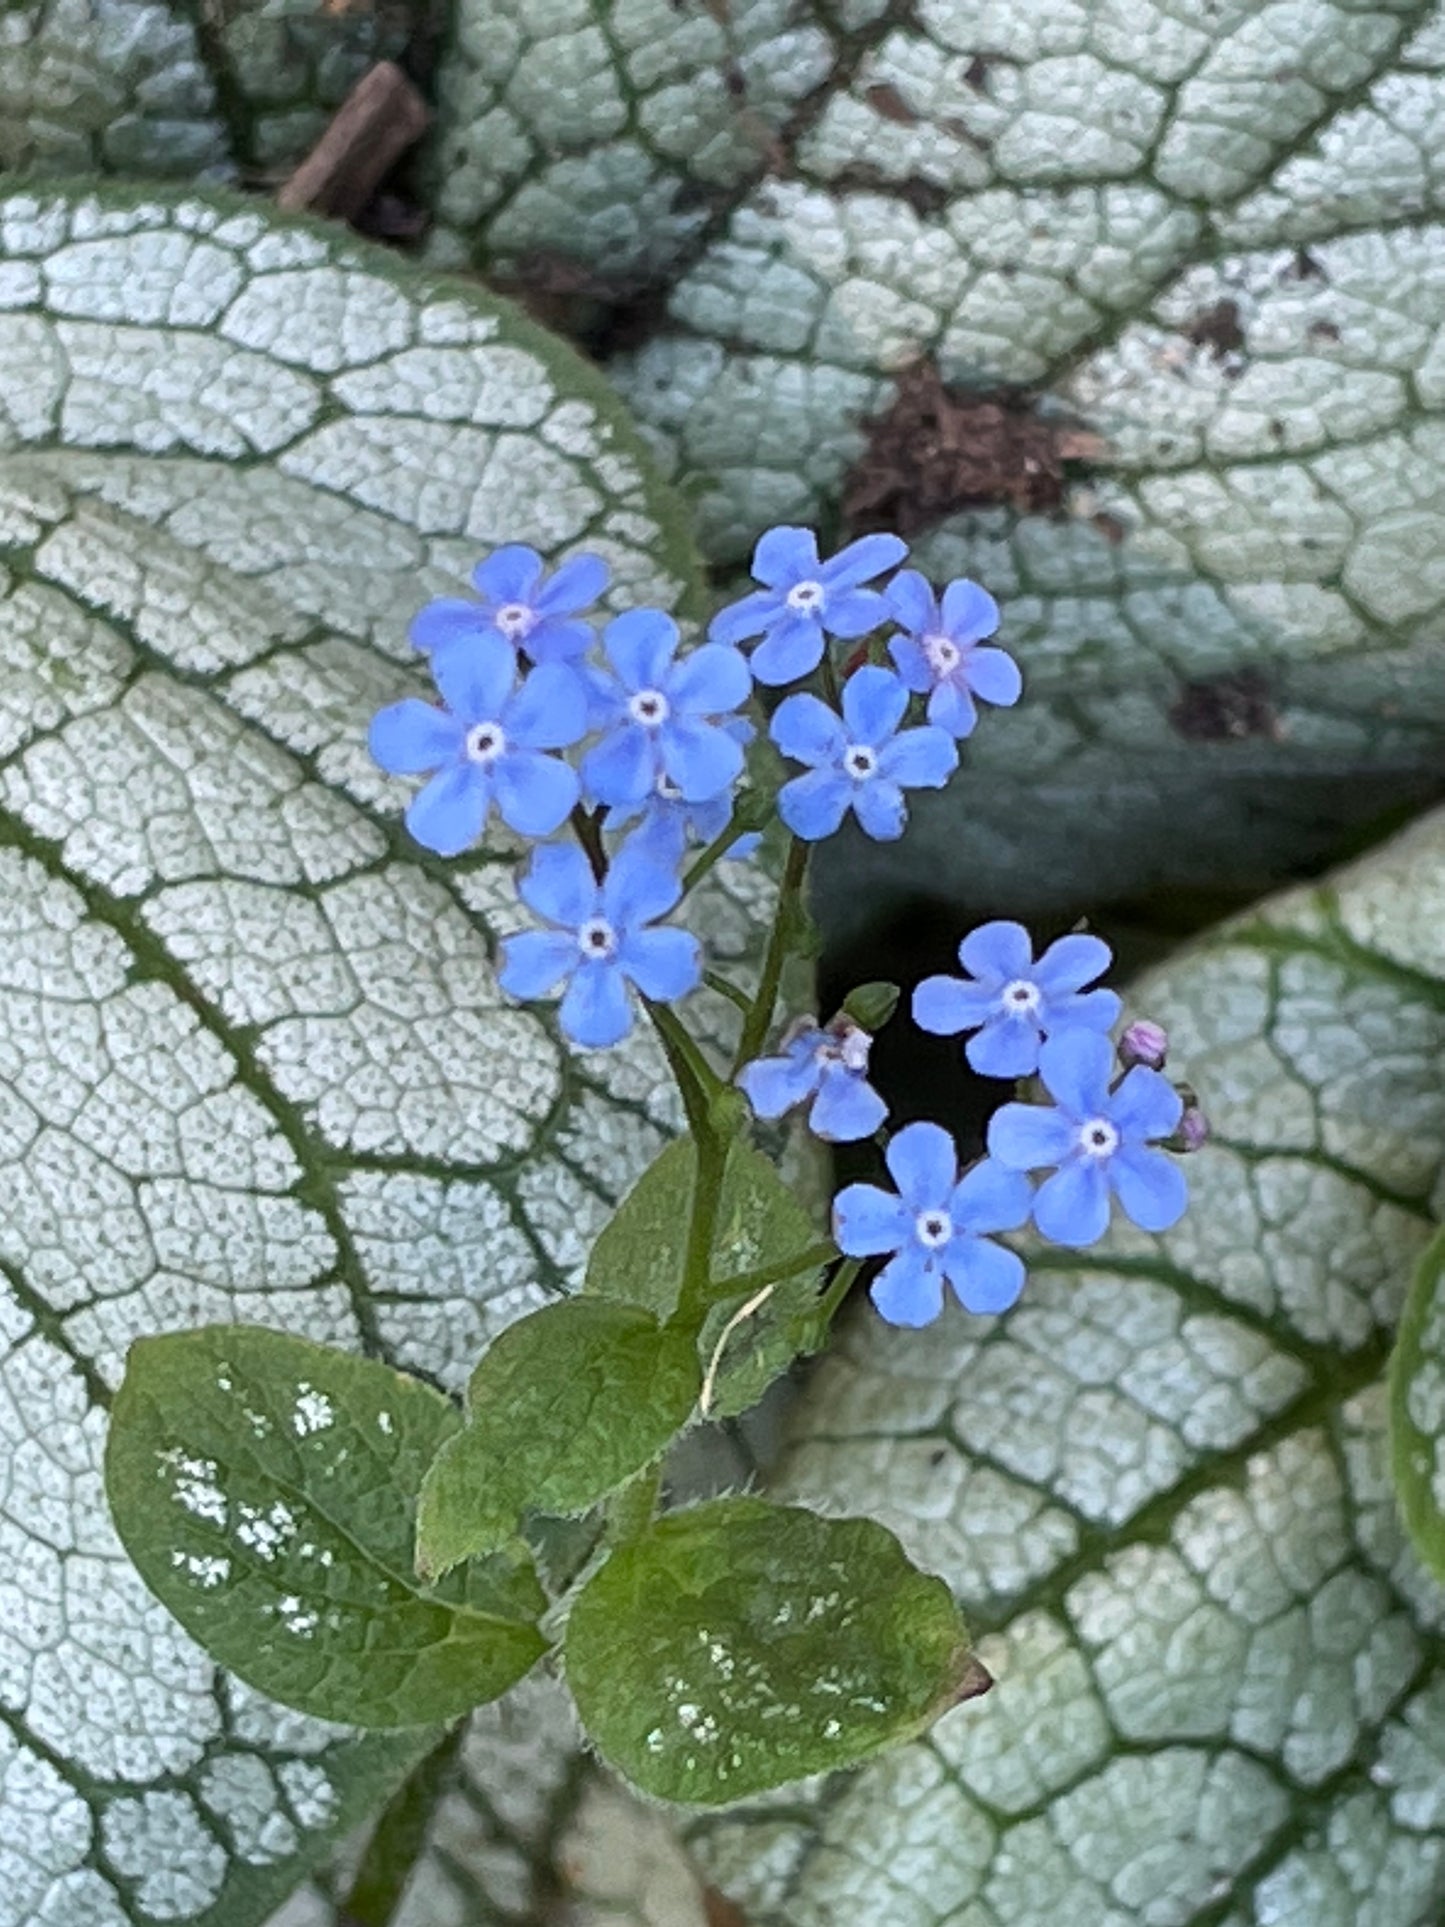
(947, 1005)
(536, 961)
(847, 1107)
(1007, 1046)
(596, 1012)
(559, 885)
(792, 647)
(923, 1162)
(1146, 1105)
(911, 663)
(1029, 1137)
(1072, 1207)
(1092, 1010)
(874, 704)
(640, 646)
(922, 758)
(622, 768)
(510, 574)
(638, 889)
(1076, 1067)
(870, 555)
(665, 964)
(784, 556)
(993, 675)
(854, 612)
(475, 677)
(969, 612)
(986, 1278)
(449, 619)
(576, 585)
(773, 1085)
(534, 791)
(1070, 963)
(997, 953)
(557, 640)
(804, 728)
(813, 806)
(868, 1221)
(1151, 1187)
(991, 1197)
(908, 1291)
(749, 616)
(951, 708)
(549, 711)
(880, 809)
(411, 736)
(450, 813)
(912, 603)
(700, 758)
(710, 681)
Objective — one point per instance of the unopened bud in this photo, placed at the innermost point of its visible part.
(1144, 1043)
(1193, 1129)
(871, 1005)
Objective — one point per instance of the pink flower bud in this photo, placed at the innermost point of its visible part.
(1144, 1043)
(1193, 1129)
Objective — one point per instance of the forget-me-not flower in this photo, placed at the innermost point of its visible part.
(830, 1067)
(600, 941)
(1098, 1139)
(803, 600)
(862, 762)
(486, 746)
(1013, 1003)
(662, 717)
(938, 651)
(668, 823)
(936, 1228)
(519, 605)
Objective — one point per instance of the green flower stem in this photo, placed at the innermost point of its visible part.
(724, 988)
(697, 1082)
(780, 939)
(747, 1282)
(588, 826)
(396, 1845)
(713, 854)
(712, 1157)
(837, 1290)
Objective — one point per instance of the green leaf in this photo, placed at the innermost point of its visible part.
(1162, 1486)
(256, 1064)
(564, 1407)
(266, 1489)
(1417, 1409)
(741, 1645)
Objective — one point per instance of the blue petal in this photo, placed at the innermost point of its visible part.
(923, 1162)
(411, 736)
(985, 1277)
(710, 681)
(622, 768)
(475, 677)
(806, 729)
(813, 806)
(640, 646)
(791, 648)
(908, 1291)
(1076, 1067)
(947, 1005)
(993, 675)
(870, 555)
(1030, 1137)
(701, 759)
(662, 833)
(868, 1221)
(773, 1085)
(969, 612)
(665, 964)
(919, 758)
(511, 574)
(556, 640)
(1071, 963)
(1151, 1187)
(1007, 1046)
(638, 888)
(874, 702)
(880, 809)
(576, 585)
(749, 616)
(912, 603)
(1145, 1105)
(536, 961)
(596, 1012)
(535, 792)
(449, 814)
(1072, 1207)
(448, 619)
(847, 1108)
(991, 1197)
(997, 953)
(559, 885)
(549, 711)
(911, 663)
(951, 707)
(854, 612)
(1093, 1010)
(784, 556)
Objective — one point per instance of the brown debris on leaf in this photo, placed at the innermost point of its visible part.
(1227, 708)
(372, 128)
(1217, 329)
(935, 451)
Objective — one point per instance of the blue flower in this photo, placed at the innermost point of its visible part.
(863, 763)
(659, 717)
(517, 605)
(1097, 1138)
(935, 1229)
(485, 746)
(803, 600)
(831, 1067)
(600, 942)
(938, 652)
(669, 823)
(1013, 1002)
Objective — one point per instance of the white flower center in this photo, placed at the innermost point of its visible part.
(942, 654)
(650, 708)
(515, 620)
(934, 1229)
(860, 762)
(1021, 998)
(1098, 1138)
(597, 940)
(805, 598)
(854, 1047)
(485, 742)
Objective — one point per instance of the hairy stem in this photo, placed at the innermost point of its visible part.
(780, 939)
